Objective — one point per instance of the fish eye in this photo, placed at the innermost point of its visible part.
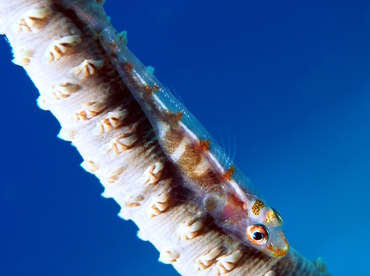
(257, 234)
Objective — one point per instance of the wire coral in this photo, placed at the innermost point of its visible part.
(97, 113)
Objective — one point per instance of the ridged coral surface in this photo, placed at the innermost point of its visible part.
(98, 114)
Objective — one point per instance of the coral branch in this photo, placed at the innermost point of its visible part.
(98, 114)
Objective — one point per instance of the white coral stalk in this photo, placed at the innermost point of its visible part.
(78, 83)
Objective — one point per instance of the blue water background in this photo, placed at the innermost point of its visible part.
(284, 85)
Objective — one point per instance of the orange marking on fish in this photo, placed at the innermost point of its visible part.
(209, 181)
(176, 116)
(257, 207)
(204, 145)
(129, 66)
(156, 87)
(189, 159)
(277, 251)
(229, 173)
(173, 139)
(269, 217)
(273, 218)
(148, 89)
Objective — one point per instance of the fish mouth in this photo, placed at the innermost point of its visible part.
(279, 249)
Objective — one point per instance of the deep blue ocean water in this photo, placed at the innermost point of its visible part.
(284, 86)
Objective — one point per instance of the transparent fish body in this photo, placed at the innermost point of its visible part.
(225, 192)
